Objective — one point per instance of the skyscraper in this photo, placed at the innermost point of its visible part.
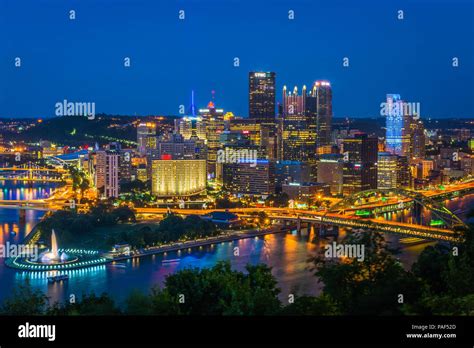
(319, 113)
(144, 132)
(306, 122)
(387, 170)
(398, 126)
(360, 158)
(417, 139)
(247, 178)
(299, 142)
(262, 96)
(214, 122)
(106, 172)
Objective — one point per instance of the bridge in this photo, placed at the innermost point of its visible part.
(31, 172)
(345, 212)
(324, 218)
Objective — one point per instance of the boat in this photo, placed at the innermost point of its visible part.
(58, 278)
(119, 265)
(409, 241)
(170, 260)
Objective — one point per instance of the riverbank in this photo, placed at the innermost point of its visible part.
(201, 242)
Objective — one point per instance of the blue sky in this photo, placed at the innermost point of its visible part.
(82, 59)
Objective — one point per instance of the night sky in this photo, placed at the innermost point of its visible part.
(82, 60)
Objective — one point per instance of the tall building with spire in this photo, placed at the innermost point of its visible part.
(298, 139)
(306, 122)
(213, 119)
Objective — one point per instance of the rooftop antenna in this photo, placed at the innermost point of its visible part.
(193, 106)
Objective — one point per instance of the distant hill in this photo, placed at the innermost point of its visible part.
(74, 130)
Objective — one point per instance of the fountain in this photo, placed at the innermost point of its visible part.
(53, 255)
(55, 259)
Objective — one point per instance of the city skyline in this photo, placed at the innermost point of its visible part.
(236, 159)
(200, 55)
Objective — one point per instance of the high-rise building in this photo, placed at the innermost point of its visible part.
(250, 178)
(360, 163)
(306, 122)
(191, 127)
(319, 110)
(403, 172)
(291, 171)
(178, 178)
(263, 135)
(144, 132)
(262, 96)
(398, 126)
(387, 170)
(298, 138)
(417, 139)
(214, 123)
(330, 169)
(106, 172)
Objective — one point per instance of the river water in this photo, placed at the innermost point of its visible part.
(287, 254)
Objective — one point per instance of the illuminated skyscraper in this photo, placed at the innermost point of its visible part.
(398, 126)
(299, 143)
(144, 132)
(330, 169)
(262, 96)
(417, 139)
(387, 170)
(249, 178)
(214, 122)
(106, 172)
(190, 126)
(360, 169)
(306, 122)
(319, 113)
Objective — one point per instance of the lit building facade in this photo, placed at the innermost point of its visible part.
(144, 132)
(250, 178)
(191, 127)
(262, 96)
(330, 169)
(178, 178)
(214, 123)
(387, 170)
(319, 110)
(360, 164)
(106, 176)
(398, 126)
(306, 122)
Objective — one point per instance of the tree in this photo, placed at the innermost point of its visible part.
(221, 291)
(89, 304)
(279, 200)
(138, 303)
(25, 301)
(124, 214)
(371, 286)
(431, 267)
(309, 305)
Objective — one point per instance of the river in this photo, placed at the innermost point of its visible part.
(287, 254)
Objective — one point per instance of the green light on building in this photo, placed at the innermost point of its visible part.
(362, 213)
(436, 223)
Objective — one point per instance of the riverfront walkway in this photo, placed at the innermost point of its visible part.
(228, 237)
